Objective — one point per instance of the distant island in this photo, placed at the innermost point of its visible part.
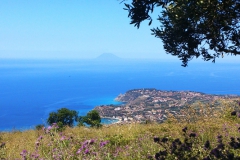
(108, 57)
(140, 105)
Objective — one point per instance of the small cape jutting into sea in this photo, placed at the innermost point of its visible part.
(141, 105)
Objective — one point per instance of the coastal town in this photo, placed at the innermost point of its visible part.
(141, 105)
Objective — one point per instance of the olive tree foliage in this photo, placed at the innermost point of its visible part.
(63, 117)
(92, 118)
(192, 28)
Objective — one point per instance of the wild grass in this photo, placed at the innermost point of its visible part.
(199, 132)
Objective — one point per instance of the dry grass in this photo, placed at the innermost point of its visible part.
(128, 141)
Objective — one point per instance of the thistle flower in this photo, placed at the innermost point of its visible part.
(157, 155)
(35, 155)
(216, 153)
(79, 151)
(62, 138)
(232, 139)
(49, 127)
(24, 153)
(184, 129)
(37, 143)
(238, 139)
(233, 113)
(192, 135)
(102, 144)
(163, 153)
(91, 141)
(177, 141)
(207, 145)
(86, 151)
(164, 140)
(221, 146)
(234, 144)
(2, 145)
(40, 138)
(156, 139)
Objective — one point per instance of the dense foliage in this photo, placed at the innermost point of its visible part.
(63, 117)
(192, 28)
(92, 118)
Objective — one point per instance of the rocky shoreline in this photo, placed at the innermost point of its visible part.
(141, 105)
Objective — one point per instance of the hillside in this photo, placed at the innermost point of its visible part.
(216, 136)
(155, 105)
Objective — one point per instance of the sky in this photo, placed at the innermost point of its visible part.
(74, 29)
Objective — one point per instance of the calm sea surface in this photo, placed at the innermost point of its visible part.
(31, 89)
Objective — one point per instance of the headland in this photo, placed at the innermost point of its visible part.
(141, 105)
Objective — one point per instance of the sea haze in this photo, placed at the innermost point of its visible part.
(31, 89)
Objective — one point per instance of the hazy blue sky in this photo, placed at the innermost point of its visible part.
(73, 29)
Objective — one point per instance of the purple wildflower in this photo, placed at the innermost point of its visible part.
(62, 138)
(35, 155)
(37, 143)
(40, 138)
(79, 151)
(49, 128)
(86, 142)
(86, 151)
(91, 141)
(102, 144)
(24, 153)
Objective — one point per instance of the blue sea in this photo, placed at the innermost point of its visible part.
(31, 89)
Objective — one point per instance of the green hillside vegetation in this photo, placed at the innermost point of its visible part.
(204, 132)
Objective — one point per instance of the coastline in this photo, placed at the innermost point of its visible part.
(152, 104)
